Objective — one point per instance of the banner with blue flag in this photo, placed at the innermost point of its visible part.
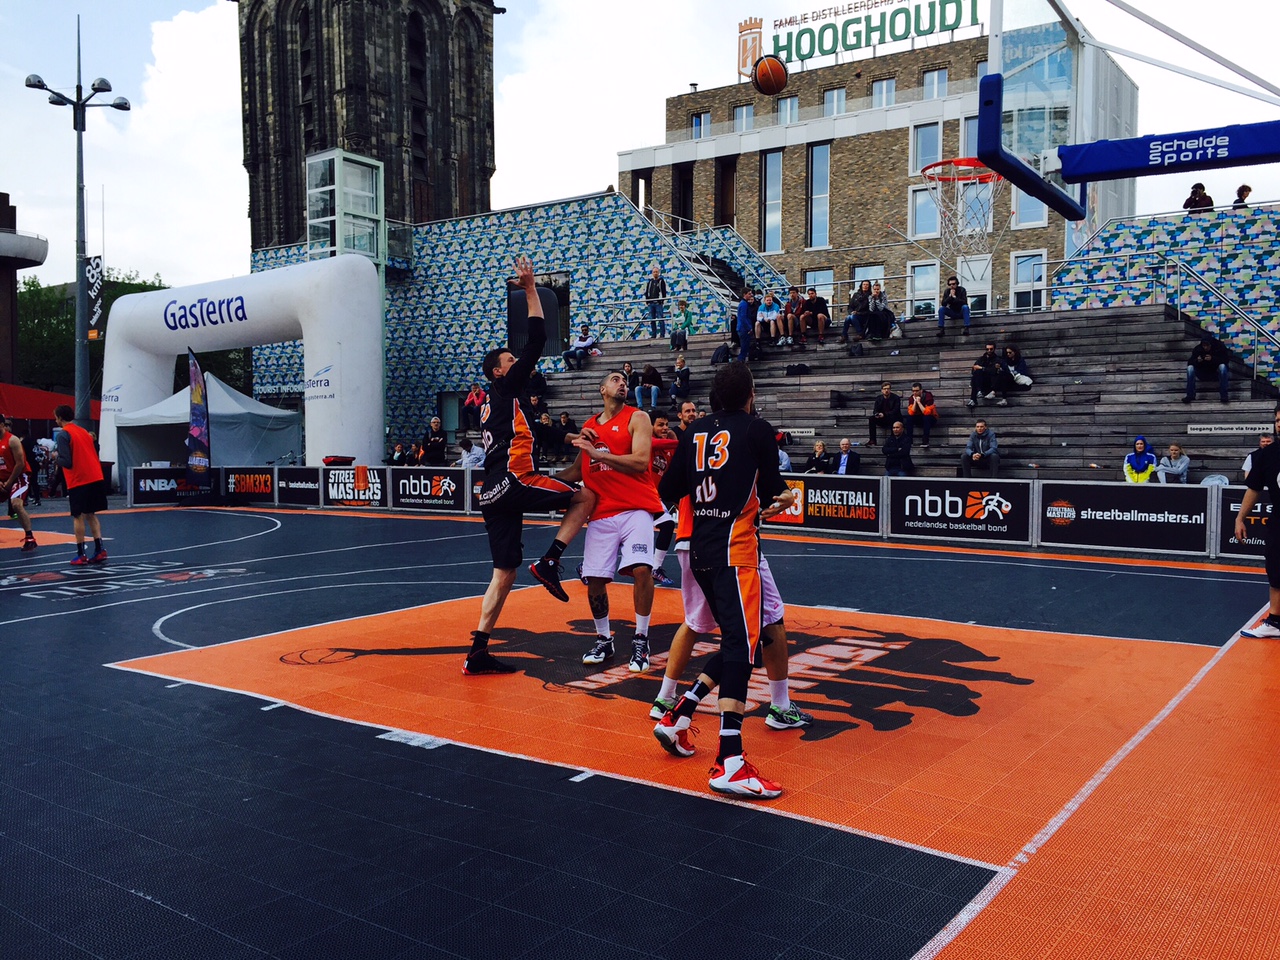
(198, 431)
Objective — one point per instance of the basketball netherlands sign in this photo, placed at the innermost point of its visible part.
(863, 24)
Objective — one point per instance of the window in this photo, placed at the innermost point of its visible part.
(926, 145)
(975, 276)
(935, 84)
(1028, 211)
(969, 133)
(701, 123)
(788, 110)
(870, 271)
(922, 279)
(744, 117)
(1027, 275)
(833, 102)
(883, 92)
(924, 213)
(819, 195)
(974, 215)
(982, 69)
(823, 281)
(771, 201)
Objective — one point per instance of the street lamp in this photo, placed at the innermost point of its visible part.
(79, 103)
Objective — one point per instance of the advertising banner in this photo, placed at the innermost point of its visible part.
(429, 488)
(358, 486)
(1126, 516)
(94, 276)
(197, 427)
(156, 485)
(249, 485)
(846, 504)
(298, 486)
(1255, 524)
(978, 509)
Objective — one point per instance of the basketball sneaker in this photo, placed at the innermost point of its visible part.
(29, 544)
(738, 778)
(639, 654)
(660, 708)
(601, 652)
(793, 718)
(483, 663)
(677, 741)
(661, 579)
(99, 556)
(80, 561)
(1266, 630)
(547, 572)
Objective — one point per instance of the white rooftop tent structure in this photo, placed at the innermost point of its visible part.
(242, 431)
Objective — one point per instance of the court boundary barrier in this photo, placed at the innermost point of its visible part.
(1176, 519)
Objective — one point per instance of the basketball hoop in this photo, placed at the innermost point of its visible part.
(965, 191)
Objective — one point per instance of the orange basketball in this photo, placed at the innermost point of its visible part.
(769, 75)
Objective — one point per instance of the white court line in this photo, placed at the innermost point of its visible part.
(988, 893)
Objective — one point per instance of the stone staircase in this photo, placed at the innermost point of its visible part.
(1101, 376)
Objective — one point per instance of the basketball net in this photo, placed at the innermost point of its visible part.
(965, 191)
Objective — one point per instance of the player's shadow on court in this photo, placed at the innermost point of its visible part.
(848, 679)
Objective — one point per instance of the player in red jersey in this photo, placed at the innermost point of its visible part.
(13, 481)
(616, 447)
(512, 484)
(727, 463)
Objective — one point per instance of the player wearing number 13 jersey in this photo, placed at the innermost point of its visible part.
(727, 464)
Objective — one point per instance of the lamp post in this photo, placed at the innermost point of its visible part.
(79, 104)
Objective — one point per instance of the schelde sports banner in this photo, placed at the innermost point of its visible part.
(977, 509)
(1246, 143)
(846, 504)
(1255, 524)
(358, 486)
(298, 486)
(429, 488)
(1127, 516)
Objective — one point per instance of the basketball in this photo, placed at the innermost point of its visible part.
(769, 75)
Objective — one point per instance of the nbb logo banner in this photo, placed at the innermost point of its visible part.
(1126, 516)
(355, 487)
(976, 509)
(247, 485)
(417, 488)
(846, 504)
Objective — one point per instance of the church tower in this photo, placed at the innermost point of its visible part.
(408, 83)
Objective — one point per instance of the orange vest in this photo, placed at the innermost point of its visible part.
(85, 467)
(618, 492)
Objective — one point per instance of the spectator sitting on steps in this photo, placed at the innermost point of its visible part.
(881, 322)
(1014, 375)
(845, 461)
(679, 381)
(1140, 465)
(1174, 467)
(580, 349)
(1208, 361)
(982, 379)
(471, 407)
(819, 461)
(859, 315)
(954, 306)
(681, 326)
(472, 456)
(921, 412)
(886, 409)
(650, 386)
(897, 452)
(981, 452)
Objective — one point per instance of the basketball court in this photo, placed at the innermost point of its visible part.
(249, 735)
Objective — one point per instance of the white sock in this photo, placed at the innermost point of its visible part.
(668, 691)
(642, 624)
(602, 627)
(780, 695)
(660, 557)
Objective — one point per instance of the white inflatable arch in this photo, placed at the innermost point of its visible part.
(333, 305)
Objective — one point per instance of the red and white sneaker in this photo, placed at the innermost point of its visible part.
(677, 741)
(738, 778)
(29, 544)
(99, 556)
(80, 561)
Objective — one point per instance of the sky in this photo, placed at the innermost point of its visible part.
(166, 190)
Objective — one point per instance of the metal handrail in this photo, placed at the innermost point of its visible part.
(663, 220)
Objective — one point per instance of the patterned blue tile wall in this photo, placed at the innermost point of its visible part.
(440, 322)
(1238, 253)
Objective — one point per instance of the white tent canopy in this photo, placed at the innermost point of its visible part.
(242, 431)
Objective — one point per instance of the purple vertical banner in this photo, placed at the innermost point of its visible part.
(198, 431)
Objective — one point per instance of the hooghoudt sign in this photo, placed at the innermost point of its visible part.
(961, 509)
(355, 487)
(418, 488)
(847, 504)
(1147, 516)
(863, 24)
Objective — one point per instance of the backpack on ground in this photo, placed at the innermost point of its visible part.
(722, 354)
(855, 350)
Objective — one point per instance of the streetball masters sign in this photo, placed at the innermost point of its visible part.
(358, 486)
(977, 509)
(846, 504)
(1129, 516)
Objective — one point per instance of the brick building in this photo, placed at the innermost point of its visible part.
(824, 179)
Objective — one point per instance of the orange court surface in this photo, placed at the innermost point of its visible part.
(1022, 756)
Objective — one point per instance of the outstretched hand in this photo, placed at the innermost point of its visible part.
(524, 273)
(781, 502)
